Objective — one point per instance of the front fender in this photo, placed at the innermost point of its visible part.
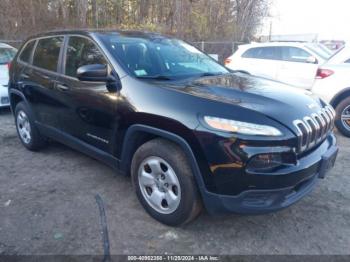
(133, 130)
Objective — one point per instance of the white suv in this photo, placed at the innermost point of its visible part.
(333, 85)
(7, 53)
(288, 62)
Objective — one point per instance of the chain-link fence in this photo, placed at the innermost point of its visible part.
(219, 50)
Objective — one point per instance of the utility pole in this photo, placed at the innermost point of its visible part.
(96, 16)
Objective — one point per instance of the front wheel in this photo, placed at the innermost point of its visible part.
(164, 183)
(342, 120)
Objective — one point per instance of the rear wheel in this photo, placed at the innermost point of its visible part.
(164, 183)
(26, 129)
(343, 116)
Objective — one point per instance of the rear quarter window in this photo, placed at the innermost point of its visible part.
(269, 53)
(251, 53)
(47, 53)
(26, 53)
(6, 55)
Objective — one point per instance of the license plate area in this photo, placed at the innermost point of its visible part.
(328, 161)
(5, 100)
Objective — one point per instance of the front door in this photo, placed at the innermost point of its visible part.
(90, 109)
(295, 69)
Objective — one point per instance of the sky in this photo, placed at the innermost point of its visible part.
(330, 19)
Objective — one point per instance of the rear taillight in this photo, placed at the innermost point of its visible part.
(323, 73)
(227, 61)
(9, 66)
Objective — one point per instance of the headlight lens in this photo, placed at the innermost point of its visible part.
(234, 126)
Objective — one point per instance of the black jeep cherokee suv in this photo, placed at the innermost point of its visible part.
(189, 131)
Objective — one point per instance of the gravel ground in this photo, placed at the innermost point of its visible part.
(48, 206)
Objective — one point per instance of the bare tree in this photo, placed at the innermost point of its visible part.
(190, 19)
(248, 15)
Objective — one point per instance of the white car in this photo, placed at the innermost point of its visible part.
(333, 85)
(288, 62)
(7, 53)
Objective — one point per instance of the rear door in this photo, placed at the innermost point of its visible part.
(261, 61)
(40, 91)
(295, 69)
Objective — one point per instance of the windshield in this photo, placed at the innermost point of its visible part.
(319, 51)
(159, 57)
(6, 55)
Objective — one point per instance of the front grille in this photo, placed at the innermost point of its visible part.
(313, 129)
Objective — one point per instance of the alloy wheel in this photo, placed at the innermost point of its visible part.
(345, 117)
(23, 126)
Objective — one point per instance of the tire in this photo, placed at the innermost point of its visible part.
(26, 129)
(342, 125)
(167, 159)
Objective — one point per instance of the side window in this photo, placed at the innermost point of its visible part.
(347, 61)
(251, 53)
(47, 53)
(81, 51)
(27, 52)
(294, 54)
(270, 53)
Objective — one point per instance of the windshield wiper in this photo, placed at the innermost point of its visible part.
(210, 74)
(155, 77)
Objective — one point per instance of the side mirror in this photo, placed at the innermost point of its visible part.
(311, 60)
(93, 73)
(99, 73)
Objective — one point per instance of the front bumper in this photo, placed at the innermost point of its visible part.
(292, 186)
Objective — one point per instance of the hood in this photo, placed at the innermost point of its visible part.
(278, 101)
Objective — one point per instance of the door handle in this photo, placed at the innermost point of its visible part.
(22, 80)
(62, 87)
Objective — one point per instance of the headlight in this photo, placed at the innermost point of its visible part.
(245, 128)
